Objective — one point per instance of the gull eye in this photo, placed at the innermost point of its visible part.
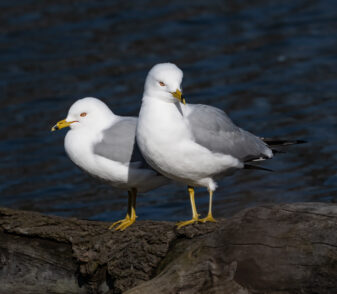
(162, 84)
(83, 114)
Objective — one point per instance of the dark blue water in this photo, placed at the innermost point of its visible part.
(271, 65)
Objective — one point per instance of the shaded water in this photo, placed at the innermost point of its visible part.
(271, 65)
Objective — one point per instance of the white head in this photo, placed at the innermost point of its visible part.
(164, 81)
(87, 113)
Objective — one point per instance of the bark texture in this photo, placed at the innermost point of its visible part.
(289, 248)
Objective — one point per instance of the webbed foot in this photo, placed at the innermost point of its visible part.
(123, 224)
(208, 218)
(188, 222)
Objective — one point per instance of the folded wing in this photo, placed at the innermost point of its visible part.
(213, 129)
(119, 144)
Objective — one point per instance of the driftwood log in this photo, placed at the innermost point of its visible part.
(289, 248)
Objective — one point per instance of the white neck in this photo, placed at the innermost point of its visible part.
(164, 119)
(105, 121)
(161, 132)
(80, 140)
(163, 107)
(163, 96)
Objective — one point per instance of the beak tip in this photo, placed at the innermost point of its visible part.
(178, 95)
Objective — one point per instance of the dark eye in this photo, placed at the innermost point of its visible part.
(83, 114)
(162, 84)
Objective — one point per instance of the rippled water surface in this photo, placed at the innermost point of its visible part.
(271, 65)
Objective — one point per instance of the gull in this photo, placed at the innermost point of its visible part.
(103, 145)
(192, 143)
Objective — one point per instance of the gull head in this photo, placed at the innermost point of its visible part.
(86, 113)
(164, 82)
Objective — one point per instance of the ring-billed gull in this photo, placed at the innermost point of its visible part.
(190, 143)
(103, 144)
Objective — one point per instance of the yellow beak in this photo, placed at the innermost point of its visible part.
(61, 124)
(177, 95)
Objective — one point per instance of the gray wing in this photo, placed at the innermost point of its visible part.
(213, 129)
(119, 144)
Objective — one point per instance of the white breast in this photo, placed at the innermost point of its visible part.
(79, 147)
(169, 147)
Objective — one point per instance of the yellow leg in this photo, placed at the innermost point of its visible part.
(130, 216)
(209, 217)
(195, 215)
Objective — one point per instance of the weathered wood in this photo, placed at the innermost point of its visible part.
(290, 248)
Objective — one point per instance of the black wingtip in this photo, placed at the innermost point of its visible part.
(301, 142)
(250, 166)
(281, 142)
(276, 151)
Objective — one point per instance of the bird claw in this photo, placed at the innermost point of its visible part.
(208, 218)
(188, 222)
(123, 224)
